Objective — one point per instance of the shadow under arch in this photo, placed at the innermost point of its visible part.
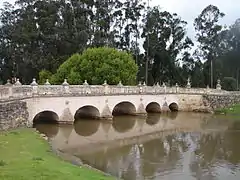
(173, 107)
(153, 119)
(153, 107)
(85, 127)
(87, 112)
(123, 124)
(124, 108)
(46, 117)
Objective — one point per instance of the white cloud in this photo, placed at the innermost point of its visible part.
(10, 1)
(190, 9)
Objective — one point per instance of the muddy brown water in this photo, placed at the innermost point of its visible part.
(177, 146)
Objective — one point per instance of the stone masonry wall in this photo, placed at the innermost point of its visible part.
(221, 101)
(13, 114)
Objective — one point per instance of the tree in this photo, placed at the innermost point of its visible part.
(208, 35)
(96, 65)
(43, 75)
(167, 39)
(230, 60)
(8, 62)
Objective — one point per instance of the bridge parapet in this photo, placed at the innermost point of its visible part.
(18, 90)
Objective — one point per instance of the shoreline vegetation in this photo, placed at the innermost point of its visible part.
(25, 155)
(232, 110)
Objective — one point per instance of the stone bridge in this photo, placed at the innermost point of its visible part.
(65, 103)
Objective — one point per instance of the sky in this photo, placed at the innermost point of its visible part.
(188, 10)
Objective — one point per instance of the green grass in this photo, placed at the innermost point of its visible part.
(24, 155)
(233, 110)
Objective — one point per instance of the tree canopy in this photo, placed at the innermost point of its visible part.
(96, 65)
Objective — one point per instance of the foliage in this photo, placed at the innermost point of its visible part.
(208, 35)
(229, 84)
(233, 110)
(43, 75)
(40, 35)
(167, 39)
(24, 155)
(96, 65)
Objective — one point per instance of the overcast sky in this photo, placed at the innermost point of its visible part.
(190, 9)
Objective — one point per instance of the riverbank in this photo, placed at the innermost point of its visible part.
(233, 110)
(25, 155)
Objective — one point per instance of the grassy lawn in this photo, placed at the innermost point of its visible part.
(24, 155)
(234, 110)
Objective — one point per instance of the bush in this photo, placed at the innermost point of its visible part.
(96, 65)
(229, 84)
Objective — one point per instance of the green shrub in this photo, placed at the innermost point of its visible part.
(43, 75)
(229, 84)
(96, 65)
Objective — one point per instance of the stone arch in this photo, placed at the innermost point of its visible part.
(124, 108)
(87, 112)
(153, 107)
(123, 124)
(86, 128)
(173, 107)
(46, 117)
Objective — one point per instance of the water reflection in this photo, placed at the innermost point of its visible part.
(87, 127)
(124, 123)
(153, 119)
(173, 115)
(50, 130)
(181, 147)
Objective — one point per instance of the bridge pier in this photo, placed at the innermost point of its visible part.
(106, 113)
(141, 109)
(66, 117)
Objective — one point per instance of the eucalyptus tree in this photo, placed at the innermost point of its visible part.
(230, 59)
(167, 39)
(8, 54)
(208, 35)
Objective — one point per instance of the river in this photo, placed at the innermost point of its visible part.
(176, 146)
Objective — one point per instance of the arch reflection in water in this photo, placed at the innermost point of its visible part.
(173, 115)
(124, 123)
(153, 119)
(50, 130)
(124, 108)
(87, 112)
(46, 117)
(86, 127)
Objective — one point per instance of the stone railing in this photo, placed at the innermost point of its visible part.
(18, 90)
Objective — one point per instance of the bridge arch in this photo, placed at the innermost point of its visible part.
(87, 112)
(46, 117)
(173, 107)
(153, 107)
(124, 108)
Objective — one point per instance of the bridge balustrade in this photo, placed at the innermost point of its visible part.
(18, 90)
